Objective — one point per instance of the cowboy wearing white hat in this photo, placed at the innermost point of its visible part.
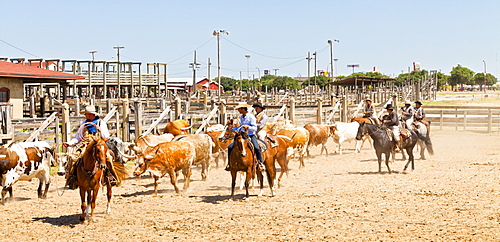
(407, 114)
(248, 122)
(92, 125)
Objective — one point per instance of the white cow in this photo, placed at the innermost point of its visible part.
(346, 132)
(25, 161)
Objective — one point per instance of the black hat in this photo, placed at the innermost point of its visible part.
(258, 105)
(418, 102)
(389, 106)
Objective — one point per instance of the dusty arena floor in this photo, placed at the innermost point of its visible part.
(451, 196)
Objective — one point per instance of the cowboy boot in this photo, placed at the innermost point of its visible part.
(111, 173)
(72, 179)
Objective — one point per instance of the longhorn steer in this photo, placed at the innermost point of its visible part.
(23, 162)
(168, 158)
(318, 135)
(203, 148)
(177, 127)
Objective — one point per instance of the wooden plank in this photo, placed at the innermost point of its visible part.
(44, 125)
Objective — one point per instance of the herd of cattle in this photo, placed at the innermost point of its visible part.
(172, 152)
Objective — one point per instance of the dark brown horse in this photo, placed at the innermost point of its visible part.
(90, 174)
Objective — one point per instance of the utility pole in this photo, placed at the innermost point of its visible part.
(209, 65)
(195, 65)
(276, 72)
(217, 33)
(92, 53)
(248, 66)
(315, 71)
(308, 68)
(118, 92)
(331, 56)
(484, 62)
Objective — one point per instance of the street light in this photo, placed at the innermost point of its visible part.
(259, 78)
(217, 33)
(331, 55)
(248, 66)
(484, 62)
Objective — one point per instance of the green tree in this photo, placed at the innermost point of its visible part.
(228, 83)
(460, 75)
(478, 79)
(279, 82)
(321, 81)
(369, 74)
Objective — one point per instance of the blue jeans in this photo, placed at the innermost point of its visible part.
(256, 147)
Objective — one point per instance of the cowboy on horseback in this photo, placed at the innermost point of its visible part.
(391, 121)
(420, 115)
(90, 127)
(248, 122)
(261, 119)
(407, 114)
(368, 112)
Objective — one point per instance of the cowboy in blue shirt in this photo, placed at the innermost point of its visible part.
(248, 122)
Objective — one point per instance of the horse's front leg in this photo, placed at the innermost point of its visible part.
(248, 177)
(92, 197)
(379, 159)
(109, 194)
(84, 214)
(233, 184)
(387, 161)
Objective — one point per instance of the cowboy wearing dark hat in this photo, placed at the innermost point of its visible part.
(260, 117)
(391, 121)
(420, 115)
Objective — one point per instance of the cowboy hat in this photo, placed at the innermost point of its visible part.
(389, 107)
(407, 102)
(418, 102)
(258, 105)
(242, 105)
(90, 109)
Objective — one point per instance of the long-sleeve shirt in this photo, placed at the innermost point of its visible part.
(408, 112)
(248, 119)
(391, 119)
(81, 131)
(419, 113)
(261, 120)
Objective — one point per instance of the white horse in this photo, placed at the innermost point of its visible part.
(422, 129)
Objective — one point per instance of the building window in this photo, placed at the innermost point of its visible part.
(4, 95)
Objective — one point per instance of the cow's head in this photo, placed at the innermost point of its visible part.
(141, 163)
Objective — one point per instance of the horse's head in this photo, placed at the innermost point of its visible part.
(361, 131)
(100, 152)
(241, 139)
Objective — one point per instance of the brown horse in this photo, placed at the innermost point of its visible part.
(90, 174)
(242, 158)
(275, 153)
(374, 121)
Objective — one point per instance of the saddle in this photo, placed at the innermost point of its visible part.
(405, 133)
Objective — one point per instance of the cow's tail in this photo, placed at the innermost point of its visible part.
(121, 171)
(427, 141)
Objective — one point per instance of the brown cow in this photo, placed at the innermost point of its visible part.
(296, 138)
(203, 147)
(145, 144)
(319, 134)
(168, 158)
(177, 127)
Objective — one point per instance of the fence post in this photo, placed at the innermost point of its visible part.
(205, 101)
(138, 118)
(223, 112)
(292, 110)
(490, 120)
(32, 107)
(319, 116)
(77, 105)
(65, 124)
(108, 105)
(343, 110)
(125, 121)
(178, 108)
(57, 130)
(163, 104)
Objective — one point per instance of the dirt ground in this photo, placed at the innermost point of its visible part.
(451, 196)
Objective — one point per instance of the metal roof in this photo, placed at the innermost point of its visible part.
(18, 70)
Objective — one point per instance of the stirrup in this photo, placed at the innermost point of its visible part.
(228, 168)
(71, 183)
(261, 166)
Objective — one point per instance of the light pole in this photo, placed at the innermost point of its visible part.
(308, 58)
(315, 61)
(331, 55)
(484, 62)
(195, 65)
(259, 78)
(118, 76)
(217, 33)
(335, 60)
(248, 66)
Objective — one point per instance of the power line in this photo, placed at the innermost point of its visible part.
(170, 62)
(11, 45)
(274, 57)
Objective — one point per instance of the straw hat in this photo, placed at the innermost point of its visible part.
(407, 102)
(242, 105)
(90, 109)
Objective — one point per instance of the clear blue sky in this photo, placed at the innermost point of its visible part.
(277, 34)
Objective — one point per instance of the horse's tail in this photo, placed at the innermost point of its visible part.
(121, 171)
(427, 141)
